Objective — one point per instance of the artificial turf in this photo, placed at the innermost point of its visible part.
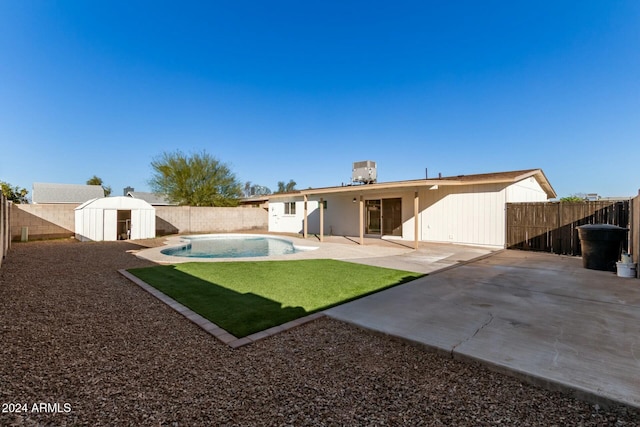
(247, 297)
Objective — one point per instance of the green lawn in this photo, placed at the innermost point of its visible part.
(247, 297)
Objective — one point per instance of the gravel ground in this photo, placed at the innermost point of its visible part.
(101, 351)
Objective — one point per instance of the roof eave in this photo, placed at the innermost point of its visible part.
(423, 183)
(539, 175)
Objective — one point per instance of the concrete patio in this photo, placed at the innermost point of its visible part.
(540, 317)
(389, 253)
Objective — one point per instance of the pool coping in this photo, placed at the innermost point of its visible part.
(210, 327)
(187, 239)
(308, 250)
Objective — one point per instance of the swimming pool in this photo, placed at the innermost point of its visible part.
(232, 246)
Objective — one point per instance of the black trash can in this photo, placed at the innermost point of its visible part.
(601, 245)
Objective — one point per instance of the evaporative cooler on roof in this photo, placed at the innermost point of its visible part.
(364, 172)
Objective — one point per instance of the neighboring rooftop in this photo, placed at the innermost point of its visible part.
(153, 199)
(65, 193)
(256, 201)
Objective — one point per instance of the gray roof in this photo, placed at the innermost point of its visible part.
(153, 199)
(64, 193)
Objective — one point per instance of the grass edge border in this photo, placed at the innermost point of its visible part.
(210, 327)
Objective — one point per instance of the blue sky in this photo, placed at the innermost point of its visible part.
(297, 90)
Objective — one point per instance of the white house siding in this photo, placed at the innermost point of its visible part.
(281, 223)
(441, 218)
(527, 190)
(340, 217)
(465, 214)
(470, 214)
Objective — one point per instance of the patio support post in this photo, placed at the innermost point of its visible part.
(361, 221)
(416, 212)
(304, 222)
(321, 219)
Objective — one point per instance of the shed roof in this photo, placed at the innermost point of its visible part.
(119, 202)
(65, 193)
(484, 178)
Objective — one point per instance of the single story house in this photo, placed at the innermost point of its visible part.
(464, 209)
(255, 201)
(44, 192)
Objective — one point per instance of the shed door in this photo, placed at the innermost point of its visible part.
(110, 224)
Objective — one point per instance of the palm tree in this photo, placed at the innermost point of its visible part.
(286, 188)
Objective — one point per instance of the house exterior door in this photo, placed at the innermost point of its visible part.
(373, 217)
(384, 217)
(392, 217)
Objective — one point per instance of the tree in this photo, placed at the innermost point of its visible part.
(260, 190)
(196, 180)
(285, 188)
(572, 199)
(255, 190)
(15, 194)
(94, 180)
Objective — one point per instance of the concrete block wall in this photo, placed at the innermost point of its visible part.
(47, 221)
(190, 219)
(44, 221)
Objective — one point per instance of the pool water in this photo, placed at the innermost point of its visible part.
(231, 246)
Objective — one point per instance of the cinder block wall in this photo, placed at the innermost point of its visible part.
(45, 221)
(190, 219)
(49, 221)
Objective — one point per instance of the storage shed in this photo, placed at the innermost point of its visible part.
(115, 218)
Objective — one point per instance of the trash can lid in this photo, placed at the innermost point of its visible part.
(600, 227)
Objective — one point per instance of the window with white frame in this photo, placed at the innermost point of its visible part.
(289, 208)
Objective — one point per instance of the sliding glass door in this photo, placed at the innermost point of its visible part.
(383, 217)
(392, 217)
(373, 217)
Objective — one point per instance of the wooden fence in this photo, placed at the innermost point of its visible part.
(552, 226)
